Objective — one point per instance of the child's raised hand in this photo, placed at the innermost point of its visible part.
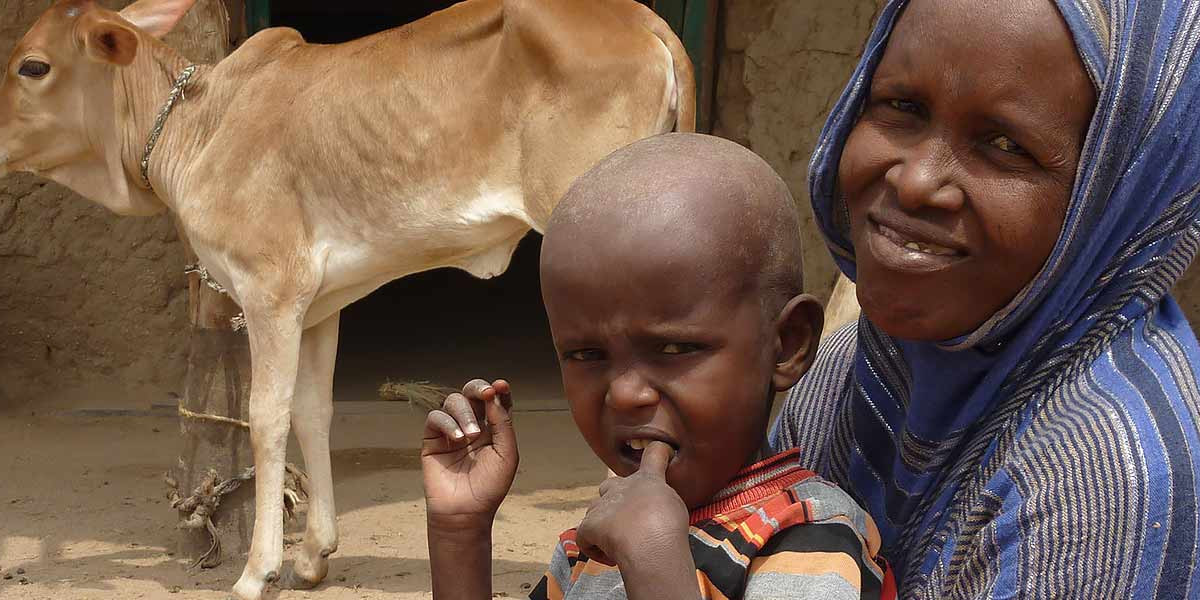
(468, 464)
(636, 519)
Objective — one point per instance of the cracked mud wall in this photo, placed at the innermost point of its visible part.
(781, 66)
(1187, 293)
(92, 305)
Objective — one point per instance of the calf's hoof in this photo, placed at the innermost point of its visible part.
(309, 570)
(296, 580)
(249, 587)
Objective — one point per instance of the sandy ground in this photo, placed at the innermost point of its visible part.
(83, 514)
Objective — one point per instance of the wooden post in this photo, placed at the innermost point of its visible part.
(218, 374)
(217, 384)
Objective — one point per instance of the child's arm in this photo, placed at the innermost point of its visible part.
(467, 470)
(641, 525)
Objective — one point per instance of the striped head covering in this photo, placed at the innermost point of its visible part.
(1052, 452)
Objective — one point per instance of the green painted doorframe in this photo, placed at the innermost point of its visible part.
(694, 21)
(258, 16)
(699, 35)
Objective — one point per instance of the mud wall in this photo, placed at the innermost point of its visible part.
(1187, 292)
(782, 65)
(92, 306)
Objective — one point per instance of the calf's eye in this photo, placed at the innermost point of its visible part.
(34, 69)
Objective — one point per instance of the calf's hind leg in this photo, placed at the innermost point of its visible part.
(312, 412)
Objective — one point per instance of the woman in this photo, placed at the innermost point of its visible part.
(1013, 186)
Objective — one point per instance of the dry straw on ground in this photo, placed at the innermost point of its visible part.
(420, 394)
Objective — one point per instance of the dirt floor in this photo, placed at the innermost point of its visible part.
(83, 514)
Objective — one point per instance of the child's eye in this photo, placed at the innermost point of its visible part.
(585, 355)
(1005, 143)
(679, 348)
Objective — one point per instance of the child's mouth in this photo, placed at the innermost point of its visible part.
(632, 450)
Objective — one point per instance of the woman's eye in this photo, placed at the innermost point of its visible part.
(585, 355)
(1006, 144)
(679, 348)
(906, 106)
(34, 68)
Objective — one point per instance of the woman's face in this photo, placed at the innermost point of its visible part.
(958, 174)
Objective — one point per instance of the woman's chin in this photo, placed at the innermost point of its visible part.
(916, 321)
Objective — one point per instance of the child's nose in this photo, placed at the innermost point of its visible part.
(925, 178)
(631, 391)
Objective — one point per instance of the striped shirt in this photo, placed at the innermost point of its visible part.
(776, 531)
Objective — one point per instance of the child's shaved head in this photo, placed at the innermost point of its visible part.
(707, 189)
(672, 281)
(689, 189)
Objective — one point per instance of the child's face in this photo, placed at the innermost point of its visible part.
(958, 174)
(663, 339)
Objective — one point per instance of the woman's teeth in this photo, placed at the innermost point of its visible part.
(924, 247)
(638, 444)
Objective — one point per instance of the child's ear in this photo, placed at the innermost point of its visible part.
(798, 330)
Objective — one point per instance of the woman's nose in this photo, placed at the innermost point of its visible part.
(924, 178)
(631, 391)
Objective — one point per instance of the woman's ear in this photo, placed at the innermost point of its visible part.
(798, 331)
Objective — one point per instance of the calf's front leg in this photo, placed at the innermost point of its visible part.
(274, 358)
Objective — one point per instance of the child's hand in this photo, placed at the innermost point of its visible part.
(468, 465)
(636, 519)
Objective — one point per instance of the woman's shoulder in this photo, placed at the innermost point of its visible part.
(1103, 465)
(1134, 405)
(1108, 461)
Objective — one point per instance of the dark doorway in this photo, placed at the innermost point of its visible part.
(447, 327)
(321, 23)
(694, 21)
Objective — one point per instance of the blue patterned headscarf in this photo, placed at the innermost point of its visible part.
(1054, 449)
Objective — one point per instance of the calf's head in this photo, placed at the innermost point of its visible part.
(58, 114)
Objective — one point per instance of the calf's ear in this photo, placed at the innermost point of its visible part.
(108, 41)
(156, 17)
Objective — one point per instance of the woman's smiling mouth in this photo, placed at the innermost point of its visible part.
(926, 247)
(900, 251)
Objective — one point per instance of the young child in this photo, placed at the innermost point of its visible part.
(671, 274)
